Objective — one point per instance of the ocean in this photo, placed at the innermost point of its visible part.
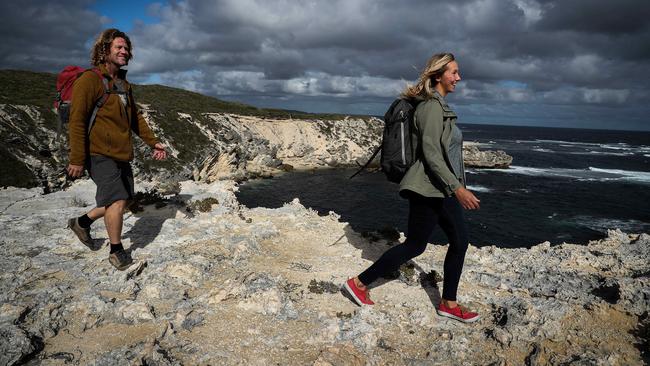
(564, 185)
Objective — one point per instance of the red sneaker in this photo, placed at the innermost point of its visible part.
(361, 297)
(457, 314)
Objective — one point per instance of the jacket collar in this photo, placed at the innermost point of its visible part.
(435, 95)
(121, 73)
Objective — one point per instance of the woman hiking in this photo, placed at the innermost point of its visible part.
(435, 188)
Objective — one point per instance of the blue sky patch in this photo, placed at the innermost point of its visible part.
(124, 13)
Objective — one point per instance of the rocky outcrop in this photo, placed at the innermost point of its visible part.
(250, 147)
(205, 146)
(225, 284)
(475, 158)
(318, 143)
(31, 150)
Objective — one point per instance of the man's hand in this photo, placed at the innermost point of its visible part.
(159, 152)
(467, 199)
(75, 171)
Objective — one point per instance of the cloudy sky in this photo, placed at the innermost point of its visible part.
(557, 63)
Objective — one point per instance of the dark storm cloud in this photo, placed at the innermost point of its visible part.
(342, 38)
(596, 16)
(529, 52)
(285, 40)
(46, 35)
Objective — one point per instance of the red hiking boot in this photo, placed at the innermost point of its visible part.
(361, 297)
(457, 314)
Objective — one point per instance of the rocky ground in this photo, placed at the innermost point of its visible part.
(218, 283)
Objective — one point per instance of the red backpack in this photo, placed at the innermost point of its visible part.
(64, 85)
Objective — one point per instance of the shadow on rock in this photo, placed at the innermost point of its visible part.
(152, 212)
(375, 243)
(642, 334)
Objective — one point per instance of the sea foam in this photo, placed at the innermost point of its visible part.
(590, 174)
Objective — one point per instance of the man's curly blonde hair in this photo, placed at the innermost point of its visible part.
(102, 47)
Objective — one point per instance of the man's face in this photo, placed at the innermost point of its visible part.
(119, 52)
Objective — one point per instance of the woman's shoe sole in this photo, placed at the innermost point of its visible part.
(451, 316)
(351, 293)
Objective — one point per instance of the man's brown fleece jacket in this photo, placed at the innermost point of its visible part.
(111, 134)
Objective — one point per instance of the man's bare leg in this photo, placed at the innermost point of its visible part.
(113, 216)
(96, 213)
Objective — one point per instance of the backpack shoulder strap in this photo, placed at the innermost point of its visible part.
(364, 166)
(389, 112)
(107, 89)
(101, 101)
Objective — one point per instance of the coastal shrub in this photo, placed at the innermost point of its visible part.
(343, 316)
(388, 233)
(320, 287)
(141, 199)
(430, 278)
(204, 205)
(77, 201)
(407, 274)
(169, 188)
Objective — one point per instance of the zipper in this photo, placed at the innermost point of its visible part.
(462, 164)
(401, 127)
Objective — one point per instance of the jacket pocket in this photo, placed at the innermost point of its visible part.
(101, 139)
(447, 113)
(109, 141)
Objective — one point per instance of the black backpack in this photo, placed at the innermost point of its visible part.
(397, 148)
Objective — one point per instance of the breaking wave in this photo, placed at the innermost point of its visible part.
(478, 188)
(590, 174)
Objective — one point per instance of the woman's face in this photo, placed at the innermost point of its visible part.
(447, 82)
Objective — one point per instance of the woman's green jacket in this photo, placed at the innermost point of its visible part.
(432, 175)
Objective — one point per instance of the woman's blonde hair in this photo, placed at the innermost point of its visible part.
(102, 46)
(436, 66)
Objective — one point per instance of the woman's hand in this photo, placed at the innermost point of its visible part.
(467, 199)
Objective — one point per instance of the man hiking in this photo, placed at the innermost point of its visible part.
(106, 151)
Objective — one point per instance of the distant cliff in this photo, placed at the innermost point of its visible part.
(208, 139)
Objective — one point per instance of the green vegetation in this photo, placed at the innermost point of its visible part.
(26, 87)
(15, 173)
(430, 278)
(77, 201)
(179, 100)
(30, 88)
(320, 287)
(204, 205)
(145, 198)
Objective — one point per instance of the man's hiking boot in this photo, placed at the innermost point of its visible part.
(457, 313)
(120, 259)
(82, 233)
(361, 297)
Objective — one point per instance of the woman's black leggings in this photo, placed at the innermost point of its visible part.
(424, 213)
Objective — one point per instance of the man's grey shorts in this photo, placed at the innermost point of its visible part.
(114, 179)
